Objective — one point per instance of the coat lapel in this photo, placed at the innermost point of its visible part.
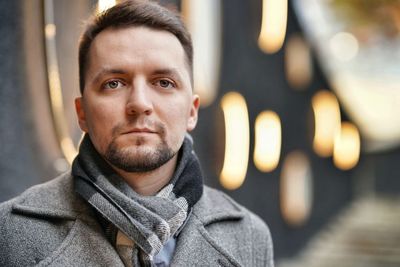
(85, 245)
(195, 245)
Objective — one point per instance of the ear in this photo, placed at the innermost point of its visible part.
(80, 112)
(194, 110)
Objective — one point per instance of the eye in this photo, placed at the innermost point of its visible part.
(164, 83)
(113, 84)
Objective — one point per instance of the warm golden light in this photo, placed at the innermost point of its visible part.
(273, 25)
(327, 122)
(346, 151)
(56, 98)
(296, 193)
(237, 140)
(103, 5)
(344, 46)
(298, 62)
(268, 136)
(67, 146)
(206, 35)
(373, 103)
(55, 89)
(50, 30)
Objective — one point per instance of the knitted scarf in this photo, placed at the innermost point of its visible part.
(149, 221)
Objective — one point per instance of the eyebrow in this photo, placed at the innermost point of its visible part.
(105, 71)
(169, 72)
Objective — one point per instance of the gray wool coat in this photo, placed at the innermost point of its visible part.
(50, 225)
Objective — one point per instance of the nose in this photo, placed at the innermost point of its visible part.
(139, 101)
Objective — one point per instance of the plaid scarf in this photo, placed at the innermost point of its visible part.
(149, 221)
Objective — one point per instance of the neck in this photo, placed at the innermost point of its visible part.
(149, 183)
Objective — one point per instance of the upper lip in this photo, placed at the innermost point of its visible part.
(139, 130)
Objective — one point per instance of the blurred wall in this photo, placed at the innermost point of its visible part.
(19, 164)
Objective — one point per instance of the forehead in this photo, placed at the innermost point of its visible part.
(140, 45)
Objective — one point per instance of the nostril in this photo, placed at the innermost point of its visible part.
(139, 107)
(138, 112)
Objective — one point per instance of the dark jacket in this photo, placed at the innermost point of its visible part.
(50, 225)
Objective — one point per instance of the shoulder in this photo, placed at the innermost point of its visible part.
(52, 187)
(49, 224)
(41, 198)
(35, 222)
(36, 193)
(56, 195)
(235, 225)
(214, 202)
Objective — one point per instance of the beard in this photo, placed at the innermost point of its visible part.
(138, 158)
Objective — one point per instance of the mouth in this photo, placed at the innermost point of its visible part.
(140, 131)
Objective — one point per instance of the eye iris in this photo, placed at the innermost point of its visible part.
(164, 83)
(113, 84)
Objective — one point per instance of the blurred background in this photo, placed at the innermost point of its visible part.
(300, 116)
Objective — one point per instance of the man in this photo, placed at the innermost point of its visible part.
(135, 195)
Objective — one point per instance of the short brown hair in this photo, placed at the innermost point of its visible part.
(133, 13)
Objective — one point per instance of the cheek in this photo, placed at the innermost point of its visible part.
(101, 119)
(97, 118)
(177, 119)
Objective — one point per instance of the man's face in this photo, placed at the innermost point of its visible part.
(137, 102)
